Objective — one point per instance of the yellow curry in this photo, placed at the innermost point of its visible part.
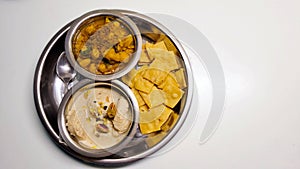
(103, 46)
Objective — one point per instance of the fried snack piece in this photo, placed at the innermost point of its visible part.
(144, 108)
(156, 123)
(149, 127)
(155, 138)
(142, 84)
(169, 124)
(160, 45)
(138, 97)
(173, 95)
(170, 79)
(154, 98)
(155, 75)
(152, 114)
(149, 46)
(179, 74)
(165, 60)
(144, 59)
(169, 44)
(157, 87)
(157, 45)
(129, 77)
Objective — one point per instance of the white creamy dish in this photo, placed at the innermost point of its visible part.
(98, 118)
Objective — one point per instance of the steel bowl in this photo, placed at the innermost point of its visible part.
(90, 17)
(81, 87)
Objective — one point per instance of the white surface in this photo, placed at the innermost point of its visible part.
(257, 43)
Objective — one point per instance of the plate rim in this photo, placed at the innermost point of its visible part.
(121, 161)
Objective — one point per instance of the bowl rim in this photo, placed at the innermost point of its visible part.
(75, 26)
(97, 153)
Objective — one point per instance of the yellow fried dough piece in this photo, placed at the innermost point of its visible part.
(155, 138)
(148, 46)
(155, 75)
(169, 124)
(128, 78)
(150, 127)
(138, 97)
(173, 95)
(144, 59)
(152, 114)
(160, 45)
(142, 84)
(169, 44)
(165, 60)
(179, 74)
(170, 79)
(144, 108)
(145, 98)
(154, 98)
(154, 125)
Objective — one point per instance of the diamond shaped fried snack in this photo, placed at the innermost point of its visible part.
(165, 60)
(144, 59)
(155, 75)
(173, 95)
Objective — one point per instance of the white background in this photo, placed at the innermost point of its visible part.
(257, 43)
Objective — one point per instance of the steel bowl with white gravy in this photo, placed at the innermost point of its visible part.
(97, 119)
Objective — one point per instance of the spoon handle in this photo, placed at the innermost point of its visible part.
(72, 83)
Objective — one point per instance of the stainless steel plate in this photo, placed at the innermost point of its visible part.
(48, 93)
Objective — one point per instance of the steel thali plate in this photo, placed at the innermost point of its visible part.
(48, 93)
